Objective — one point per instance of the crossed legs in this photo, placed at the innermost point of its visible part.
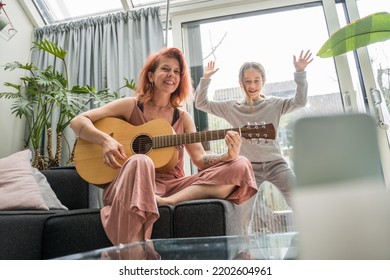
(197, 192)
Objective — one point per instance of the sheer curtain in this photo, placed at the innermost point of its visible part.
(102, 51)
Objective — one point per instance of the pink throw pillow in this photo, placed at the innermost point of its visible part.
(18, 187)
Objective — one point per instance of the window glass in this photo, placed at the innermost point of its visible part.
(55, 11)
(358, 92)
(379, 57)
(270, 37)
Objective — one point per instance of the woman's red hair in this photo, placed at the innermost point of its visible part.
(145, 88)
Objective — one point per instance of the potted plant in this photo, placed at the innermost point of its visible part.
(360, 33)
(45, 91)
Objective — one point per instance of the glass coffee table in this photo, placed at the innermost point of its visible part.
(274, 246)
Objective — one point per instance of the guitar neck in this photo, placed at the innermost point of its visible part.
(190, 138)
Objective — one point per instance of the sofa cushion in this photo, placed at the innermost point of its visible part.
(212, 217)
(72, 232)
(76, 231)
(200, 218)
(21, 234)
(70, 188)
(18, 187)
(163, 227)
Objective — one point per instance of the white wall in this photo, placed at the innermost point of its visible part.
(17, 49)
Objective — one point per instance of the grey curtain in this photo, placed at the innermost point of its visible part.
(102, 51)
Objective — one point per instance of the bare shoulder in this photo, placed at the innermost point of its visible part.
(123, 107)
(188, 122)
(120, 108)
(125, 103)
(185, 115)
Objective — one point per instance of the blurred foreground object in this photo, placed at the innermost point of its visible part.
(341, 203)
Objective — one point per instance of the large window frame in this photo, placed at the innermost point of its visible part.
(353, 100)
(368, 87)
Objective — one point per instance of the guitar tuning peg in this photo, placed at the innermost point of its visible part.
(251, 125)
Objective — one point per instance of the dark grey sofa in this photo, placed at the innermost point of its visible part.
(36, 234)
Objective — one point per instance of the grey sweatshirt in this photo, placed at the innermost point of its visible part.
(268, 110)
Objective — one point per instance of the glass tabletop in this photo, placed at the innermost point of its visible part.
(274, 246)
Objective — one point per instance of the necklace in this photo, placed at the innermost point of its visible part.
(160, 107)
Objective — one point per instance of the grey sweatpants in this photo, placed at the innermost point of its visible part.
(277, 172)
(282, 177)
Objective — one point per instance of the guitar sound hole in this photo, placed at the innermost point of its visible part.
(142, 144)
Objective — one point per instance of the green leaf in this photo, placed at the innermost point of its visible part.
(82, 89)
(17, 65)
(51, 47)
(360, 33)
(131, 84)
(22, 107)
(15, 86)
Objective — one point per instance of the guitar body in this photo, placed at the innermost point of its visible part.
(88, 157)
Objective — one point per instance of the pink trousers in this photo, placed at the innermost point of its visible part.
(130, 204)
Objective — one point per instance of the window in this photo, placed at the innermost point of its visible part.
(55, 11)
(61, 10)
(379, 55)
(270, 37)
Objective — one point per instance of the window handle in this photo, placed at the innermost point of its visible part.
(377, 100)
(347, 101)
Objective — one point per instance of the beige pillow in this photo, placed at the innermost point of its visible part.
(18, 187)
(48, 195)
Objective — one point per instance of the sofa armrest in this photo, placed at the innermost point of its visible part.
(70, 188)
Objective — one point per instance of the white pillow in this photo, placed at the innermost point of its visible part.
(47, 193)
(18, 187)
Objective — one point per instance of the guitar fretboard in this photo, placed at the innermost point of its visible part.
(189, 138)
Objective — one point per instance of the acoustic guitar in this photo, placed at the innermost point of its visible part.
(155, 138)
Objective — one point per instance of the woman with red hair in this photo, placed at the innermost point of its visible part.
(131, 200)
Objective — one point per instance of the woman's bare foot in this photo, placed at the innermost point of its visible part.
(161, 201)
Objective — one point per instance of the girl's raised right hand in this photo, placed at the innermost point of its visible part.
(209, 70)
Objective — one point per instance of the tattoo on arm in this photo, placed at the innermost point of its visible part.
(209, 160)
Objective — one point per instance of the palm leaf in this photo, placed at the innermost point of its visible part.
(15, 86)
(51, 47)
(360, 33)
(22, 107)
(17, 65)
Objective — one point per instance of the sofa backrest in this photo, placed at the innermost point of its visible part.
(70, 188)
